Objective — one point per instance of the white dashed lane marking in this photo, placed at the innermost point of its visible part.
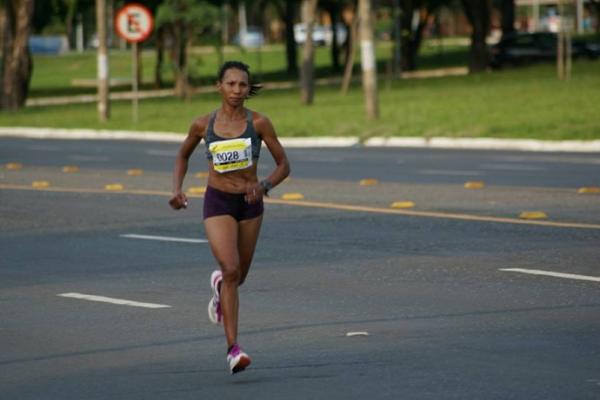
(103, 299)
(78, 157)
(163, 238)
(553, 274)
(511, 167)
(449, 172)
(161, 153)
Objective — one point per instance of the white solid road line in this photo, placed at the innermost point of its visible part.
(163, 238)
(554, 274)
(111, 300)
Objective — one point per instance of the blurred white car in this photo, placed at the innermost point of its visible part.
(252, 39)
(321, 35)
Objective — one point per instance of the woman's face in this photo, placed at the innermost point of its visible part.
(234, 87)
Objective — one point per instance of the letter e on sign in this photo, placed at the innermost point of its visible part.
(134, 23)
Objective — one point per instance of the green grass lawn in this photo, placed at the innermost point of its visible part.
(514, 103)
(54, 75)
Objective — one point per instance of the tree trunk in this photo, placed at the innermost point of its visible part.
(348, 46)
(595, 4)
(478, 13)
(408, 9)
(350, 52)
(17, 63)
(181, 78)
(396, 37)
(367, 47)
(508, 17)
(291, 49)
(411, 38)
(307, 72)
(69, 18)
(334, 11)
(160, 54)
(102, 71)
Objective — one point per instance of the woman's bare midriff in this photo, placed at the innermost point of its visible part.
(232, 182)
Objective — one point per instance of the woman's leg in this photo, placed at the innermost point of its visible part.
(222, 233)
(248, 232)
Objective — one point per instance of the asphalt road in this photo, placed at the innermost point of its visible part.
(428, 284)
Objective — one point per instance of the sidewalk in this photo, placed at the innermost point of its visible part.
(148, 94)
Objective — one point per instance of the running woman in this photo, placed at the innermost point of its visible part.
(233, 202)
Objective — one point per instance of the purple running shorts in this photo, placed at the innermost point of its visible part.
(217, 202)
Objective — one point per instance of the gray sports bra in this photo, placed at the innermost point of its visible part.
(250, 132)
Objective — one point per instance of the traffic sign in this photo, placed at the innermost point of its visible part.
(134, 23)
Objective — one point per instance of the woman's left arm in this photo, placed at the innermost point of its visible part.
(265, 129)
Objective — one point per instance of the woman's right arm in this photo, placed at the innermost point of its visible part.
(195, 134)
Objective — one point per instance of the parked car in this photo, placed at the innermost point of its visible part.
(318, 34)
(48, 44)
(322, 35)
(252, 39)
(525, 48)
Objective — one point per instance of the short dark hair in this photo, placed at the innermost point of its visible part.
(254, 86)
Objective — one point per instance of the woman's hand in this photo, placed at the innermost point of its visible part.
(254, 193)
(178, 201)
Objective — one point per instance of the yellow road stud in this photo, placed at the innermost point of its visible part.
(292, 196)
(533, 215)
(402, 204)
(40, 184)
(474, 185)
(113, 187)
(135, 172)
(589, 190)
(201, 175)
(14, 166)
(197, 190)
(70, 169)
(368, 182)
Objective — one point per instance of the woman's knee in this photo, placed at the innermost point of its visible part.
(231, 273)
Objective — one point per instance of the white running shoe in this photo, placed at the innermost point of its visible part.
(214, 305)
(237, 359)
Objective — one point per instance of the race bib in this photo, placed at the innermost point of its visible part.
(231, 155)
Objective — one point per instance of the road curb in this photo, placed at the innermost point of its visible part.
(587, 146)
(89, 134)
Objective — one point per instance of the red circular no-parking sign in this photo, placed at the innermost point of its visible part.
(134, 23)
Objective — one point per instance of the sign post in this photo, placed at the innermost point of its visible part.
(134, 23)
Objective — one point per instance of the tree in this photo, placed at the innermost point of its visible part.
(288, 10)
(17, 64)
(307, 71)
(595, 4)
(478, 13)
(102, 57)
(367, 47)
(291, 49)
(182, 20)
(350, 49)
(507, 9)
(411, 35)
(334, 8)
